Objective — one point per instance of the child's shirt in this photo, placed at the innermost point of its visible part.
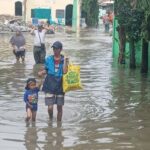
(31, 96)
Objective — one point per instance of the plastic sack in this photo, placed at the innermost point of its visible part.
(71, 80)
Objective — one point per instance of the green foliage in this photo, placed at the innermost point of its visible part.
(134, 26)
(122, 12)
(91, 9)
(145, 6)
(130, 18)
(135, 20)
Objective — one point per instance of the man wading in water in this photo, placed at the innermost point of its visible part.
(55, 66)
(39, 50)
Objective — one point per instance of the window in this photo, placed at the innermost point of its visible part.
(59, 13)
(18, 9)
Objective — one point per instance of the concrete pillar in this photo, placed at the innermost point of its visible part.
(76, 15)
(24, 10)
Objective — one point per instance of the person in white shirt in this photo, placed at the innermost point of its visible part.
(39, 50)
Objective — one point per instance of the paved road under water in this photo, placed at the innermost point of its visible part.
(112, 112)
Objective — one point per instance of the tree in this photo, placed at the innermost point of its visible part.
(91, 10)
(145, 5)
(130, 21)
(134, 29)
(120, 11)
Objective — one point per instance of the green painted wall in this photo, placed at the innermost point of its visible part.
(115, 40)
(138, 53)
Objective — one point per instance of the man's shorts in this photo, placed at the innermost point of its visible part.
(51, 99)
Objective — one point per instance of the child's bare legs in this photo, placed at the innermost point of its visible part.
(50, 111)
(59, 112)
(29, 114)
(33, 116)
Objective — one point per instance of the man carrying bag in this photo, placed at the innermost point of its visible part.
(39, 50)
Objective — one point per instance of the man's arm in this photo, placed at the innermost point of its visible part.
(65, 67)
(39, 83)
(32, 30)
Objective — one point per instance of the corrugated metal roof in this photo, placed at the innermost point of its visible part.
(105, 2)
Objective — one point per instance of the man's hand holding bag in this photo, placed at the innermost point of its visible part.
(71, 80)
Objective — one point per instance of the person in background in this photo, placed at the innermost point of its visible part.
(51, 27)
(18, 43)
(55, 66)
(31, 98)
(106, 22)
(39, 50)
(111, 17)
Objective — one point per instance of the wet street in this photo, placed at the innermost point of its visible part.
(112, 112)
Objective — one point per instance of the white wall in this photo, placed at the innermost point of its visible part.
(8, 6)
(52, 4)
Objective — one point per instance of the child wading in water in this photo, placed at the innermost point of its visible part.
(55, 66)
(31, 98)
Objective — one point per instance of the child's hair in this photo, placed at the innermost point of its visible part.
(28, 82)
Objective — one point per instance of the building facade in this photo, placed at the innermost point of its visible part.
(54, 10)
(9, 7)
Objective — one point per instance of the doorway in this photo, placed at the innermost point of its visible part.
(68, 15)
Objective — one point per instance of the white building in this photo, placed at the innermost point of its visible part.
(53, 10)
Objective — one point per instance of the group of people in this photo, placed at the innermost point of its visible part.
(54, 67)
(18, 44)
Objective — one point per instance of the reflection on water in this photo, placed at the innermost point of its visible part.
(53, 137)
(111, 113)
(31, 138)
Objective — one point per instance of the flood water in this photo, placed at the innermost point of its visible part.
(112, 112)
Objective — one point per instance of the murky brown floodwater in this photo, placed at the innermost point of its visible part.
(111, 113)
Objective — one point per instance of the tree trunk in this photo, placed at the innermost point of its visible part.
(122, 42)
(132, 54)
(144, 66)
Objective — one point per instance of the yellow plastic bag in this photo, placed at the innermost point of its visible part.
(71, 80)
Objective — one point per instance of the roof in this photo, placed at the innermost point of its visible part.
(105, 2)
